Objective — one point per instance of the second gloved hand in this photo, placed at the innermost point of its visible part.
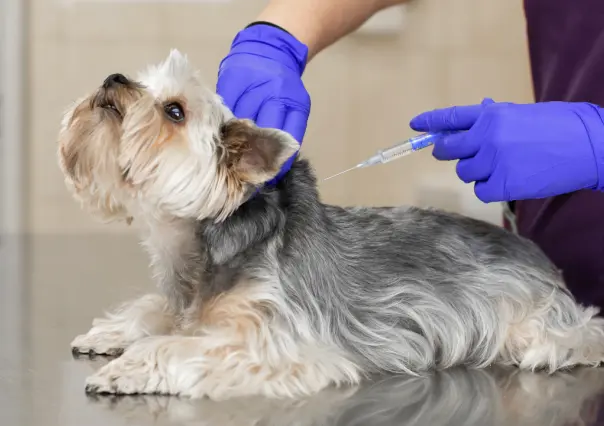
(521, 151)
(260, 79)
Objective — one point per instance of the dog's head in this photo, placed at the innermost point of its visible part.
(165, 145)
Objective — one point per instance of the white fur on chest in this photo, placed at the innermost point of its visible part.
(172, 246)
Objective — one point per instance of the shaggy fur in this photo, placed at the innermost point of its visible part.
(268, 291)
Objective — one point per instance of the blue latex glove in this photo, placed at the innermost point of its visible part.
(260, 79)
(516, 152)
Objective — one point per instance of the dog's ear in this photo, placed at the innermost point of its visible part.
(253, 154)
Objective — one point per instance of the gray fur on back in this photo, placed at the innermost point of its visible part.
(401, 289)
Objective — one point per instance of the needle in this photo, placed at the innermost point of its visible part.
(338, 174)
(399, 150)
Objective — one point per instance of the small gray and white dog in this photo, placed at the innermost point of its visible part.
(268, 291)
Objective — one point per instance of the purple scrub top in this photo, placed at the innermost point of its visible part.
(566, 48)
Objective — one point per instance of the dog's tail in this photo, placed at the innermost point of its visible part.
(560, 335)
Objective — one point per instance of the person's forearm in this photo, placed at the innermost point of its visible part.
(320, 23)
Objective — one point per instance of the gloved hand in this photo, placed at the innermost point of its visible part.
(521, 151)
(260, 79)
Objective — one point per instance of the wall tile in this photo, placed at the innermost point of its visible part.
(387, 91)
(45, 19)
(454, 26)
(197, 22)
(471, 77)
(328, 142)
(115, 22)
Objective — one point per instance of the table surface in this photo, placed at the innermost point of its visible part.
(70, 280)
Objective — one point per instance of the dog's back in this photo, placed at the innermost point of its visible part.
(401, 289)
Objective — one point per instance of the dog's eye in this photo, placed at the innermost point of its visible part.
(112, 108)
(174, 112)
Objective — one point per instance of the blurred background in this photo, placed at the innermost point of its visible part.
(365, 89)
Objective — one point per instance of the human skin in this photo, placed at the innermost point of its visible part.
(320, 23)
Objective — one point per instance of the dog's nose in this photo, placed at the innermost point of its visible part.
(114, 79)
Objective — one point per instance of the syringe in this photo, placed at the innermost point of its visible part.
(402, 149)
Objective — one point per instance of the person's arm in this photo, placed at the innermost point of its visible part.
(320, 23)
(261, 77)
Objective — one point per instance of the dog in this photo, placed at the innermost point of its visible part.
(266, 290)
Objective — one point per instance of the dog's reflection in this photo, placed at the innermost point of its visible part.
(453, 397)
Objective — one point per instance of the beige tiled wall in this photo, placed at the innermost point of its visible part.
(364, 89)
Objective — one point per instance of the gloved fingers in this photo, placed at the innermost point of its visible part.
(228, 98)
(456, 146)
(224, 89)
(248, 105)
(487, 101)
(295, 124)
(272, 115)
(453, 118)
(474, 169)
(487, 192)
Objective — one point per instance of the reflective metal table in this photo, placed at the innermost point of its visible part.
(69, 280)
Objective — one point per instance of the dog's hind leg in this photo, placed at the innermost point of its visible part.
(147, 316)
(559, 335)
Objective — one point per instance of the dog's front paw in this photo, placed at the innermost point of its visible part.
(142, 369)
(99, 343)
(133, 321)
(126, 377)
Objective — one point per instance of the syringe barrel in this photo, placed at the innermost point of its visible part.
(395, 151)
(423, 141)
(410, 145)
